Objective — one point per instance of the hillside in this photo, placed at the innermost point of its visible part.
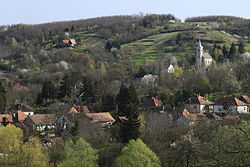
(179, 40)
(109, 50)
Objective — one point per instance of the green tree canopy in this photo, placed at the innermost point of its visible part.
(137, 154)
(3, 98)
(230, 145)
(232, 51)
(19, 154)
(241, 48)
(79, 154)
(127, 95)
(65, 87)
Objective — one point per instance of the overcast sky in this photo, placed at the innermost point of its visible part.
(41, 11)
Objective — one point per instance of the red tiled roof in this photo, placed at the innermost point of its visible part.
(73, 41)
(192, 117)
(157, 102)
(231, 101)
(85, 109)
(8, 116)
(16, 85)
(101, 117)
(197, 99)
(21, 116)
(65, 41)
(245, 99)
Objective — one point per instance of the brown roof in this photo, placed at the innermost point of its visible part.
(73, 110)
(43, 118)
(65, 41)
(101, 117)
(157, 102)
(72, 41)
(151, 102)
(192, 117)
(84, 109)
(245, 99)
(197, 99)
(8, 116)
(231, 101)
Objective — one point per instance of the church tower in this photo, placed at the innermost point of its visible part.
(199, 57)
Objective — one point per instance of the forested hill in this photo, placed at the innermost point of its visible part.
(114, 47)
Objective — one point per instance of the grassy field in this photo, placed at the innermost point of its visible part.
(146, 50)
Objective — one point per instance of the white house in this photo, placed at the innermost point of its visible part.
(230, 105)
(199, 104)
(168, 69)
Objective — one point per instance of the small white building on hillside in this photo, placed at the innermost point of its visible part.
(168, 69)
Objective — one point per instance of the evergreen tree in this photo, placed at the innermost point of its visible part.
(49, 90)
(108, 46)
(39, 99)
(136, 153)
(126, 96)
(130, 128)
(232, 51)
(3, 98)
(65, 87)
(128, 102)
(241, 48)
(108, 103)
(225, 51)
(87, 90)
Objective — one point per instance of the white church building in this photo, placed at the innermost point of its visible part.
(203, 59)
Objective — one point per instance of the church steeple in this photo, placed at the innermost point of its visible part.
(199, 56)
(199, 44)
(199, 50)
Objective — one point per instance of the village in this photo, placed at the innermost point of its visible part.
(125, 91)
(196, 108)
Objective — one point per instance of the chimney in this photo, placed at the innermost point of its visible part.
(15, 117)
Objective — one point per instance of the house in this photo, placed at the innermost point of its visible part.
(23, 109)
(187, 118)
(40, 122)
(70, 42)
(227, 105)
(19, 116)
(199, 104)
(150, 103)
(5, 119)
(104, 118)
(69, 115)
(168, 69)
